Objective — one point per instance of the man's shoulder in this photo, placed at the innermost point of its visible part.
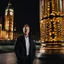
(20, 37)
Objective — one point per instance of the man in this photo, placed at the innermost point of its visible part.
(25, 48)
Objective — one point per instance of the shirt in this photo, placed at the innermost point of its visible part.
(27, 45)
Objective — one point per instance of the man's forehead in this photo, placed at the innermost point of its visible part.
(27, 27)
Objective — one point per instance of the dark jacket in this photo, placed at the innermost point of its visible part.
(20, 50)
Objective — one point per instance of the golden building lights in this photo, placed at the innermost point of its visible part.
(9, 20)
(0, 31)
(51, 20)
(51, 25)
(7, 33)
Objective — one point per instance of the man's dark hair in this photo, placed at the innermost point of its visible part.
(26, 25)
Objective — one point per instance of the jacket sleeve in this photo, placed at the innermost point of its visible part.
(34, 50)
(16, 49)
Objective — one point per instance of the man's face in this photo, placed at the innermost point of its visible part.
(27, 30)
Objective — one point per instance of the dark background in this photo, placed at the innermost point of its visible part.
(25, 12)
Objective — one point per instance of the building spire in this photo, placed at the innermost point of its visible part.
(9, 3)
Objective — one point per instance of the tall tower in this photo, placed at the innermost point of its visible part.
(51, 25)
(9, 20)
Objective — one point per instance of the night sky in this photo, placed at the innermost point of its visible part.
(25, 12)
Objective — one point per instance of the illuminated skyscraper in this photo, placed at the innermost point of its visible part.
(9, 21)
(52, 25)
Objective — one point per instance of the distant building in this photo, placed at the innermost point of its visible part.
(0, 27)
(9, 32)
(51, 20)
(9, 20)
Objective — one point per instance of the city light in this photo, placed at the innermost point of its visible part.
(51, 25)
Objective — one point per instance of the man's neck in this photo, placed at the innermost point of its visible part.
(26, 35)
